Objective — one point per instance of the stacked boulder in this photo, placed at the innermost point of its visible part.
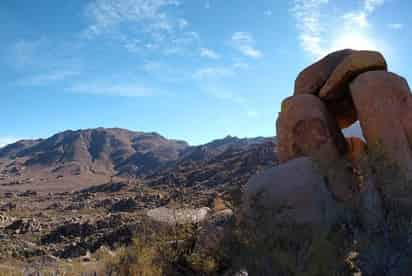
(344, 87)
(334, 93)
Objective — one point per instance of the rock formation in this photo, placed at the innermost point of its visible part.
(344, 87)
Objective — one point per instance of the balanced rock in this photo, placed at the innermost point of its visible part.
(312, 79)
(306, 128)
(352, 65)
(380, 99)
(295, 190)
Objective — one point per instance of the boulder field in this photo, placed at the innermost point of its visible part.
(320, 167)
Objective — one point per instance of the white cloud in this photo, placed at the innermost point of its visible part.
(252, 114)
(46, 78)
(245, 43)
(395, 26)
(209, 53)
(213, 72)
(351, 28)
(42, 61)
(268, 13)
(371, 5)
(181, 43)
(183, 23)
(241, 65)
(6, 140)
(110, 89)
(23, 52)
(152, 21)
(219, 72)
(224, 94)
(107, 14)
(308, 17)
(359, 19)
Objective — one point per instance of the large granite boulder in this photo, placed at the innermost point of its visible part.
(294, 191)
(312, 79)
(306, 128)
(352, 65)
(380, 99)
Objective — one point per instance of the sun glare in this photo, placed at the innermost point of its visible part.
(354, 41)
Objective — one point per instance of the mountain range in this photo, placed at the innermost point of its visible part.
(106, 152)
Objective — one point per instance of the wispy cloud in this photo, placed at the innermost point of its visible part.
(110, 89)
(268, 12)
(224, 94)
(209, 53)
(23, 52)
(245, 44)
(359, 18)
(371, 5)
(108, 14)
(314, 25)
(6, 140)
(213, 72)
(395, 26)
(308, 17)
(140, 25)
(42, 61)
(219, 72)
(183, 23)
(46, 78)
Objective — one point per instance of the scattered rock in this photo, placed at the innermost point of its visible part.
(22, 226)
(27, 193)
(5, 220)
(8, 207)
(178, 216)
(105, 188)
(124, 205)
(69, 230)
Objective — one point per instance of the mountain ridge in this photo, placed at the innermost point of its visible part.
(107, 152)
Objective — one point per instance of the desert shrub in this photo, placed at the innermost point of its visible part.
(158, 250)
(261, 245)
(386, 249)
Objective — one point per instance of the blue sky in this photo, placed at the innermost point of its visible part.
(188, 69)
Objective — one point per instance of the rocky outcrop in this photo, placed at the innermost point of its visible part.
(294, 190)
(344, 87)
(332, 94)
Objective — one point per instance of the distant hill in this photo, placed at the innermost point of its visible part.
(111, 151)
